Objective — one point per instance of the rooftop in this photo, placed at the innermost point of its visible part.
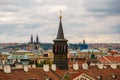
(110, 59)
(93, 72)
(90, 50)
(32, 74)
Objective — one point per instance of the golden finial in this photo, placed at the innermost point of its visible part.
(60, 14)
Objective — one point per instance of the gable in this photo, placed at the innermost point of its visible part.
(83, 76)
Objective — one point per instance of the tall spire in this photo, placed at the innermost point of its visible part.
(60, 34)
(31, 38)
(37, 39)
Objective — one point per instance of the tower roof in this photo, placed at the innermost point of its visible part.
(60, 34)
(31, 38)
(37, 39)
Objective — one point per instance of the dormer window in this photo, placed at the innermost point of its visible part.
(99, 77)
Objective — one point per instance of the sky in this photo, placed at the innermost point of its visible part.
(96, 21)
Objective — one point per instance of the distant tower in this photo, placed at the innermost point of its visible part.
(34, 45)
(60, 48)
(37, 43)
(31, 39)
(31, 43)
(37, 39)
(83, 41)
(83, 46)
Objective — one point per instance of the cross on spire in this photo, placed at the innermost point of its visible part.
(60, 14)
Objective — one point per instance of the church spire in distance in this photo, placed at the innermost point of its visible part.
(31, 39)
(37, 39)
(60, 34)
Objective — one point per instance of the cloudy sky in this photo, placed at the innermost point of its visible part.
(92, 20)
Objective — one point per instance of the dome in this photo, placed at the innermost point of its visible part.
(90, 50)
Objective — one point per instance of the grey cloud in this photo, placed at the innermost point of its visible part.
(79, 18)
(17, 2)
(9, 10)
(108, 7)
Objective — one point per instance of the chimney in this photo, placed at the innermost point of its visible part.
(7, 69)
(85, 66)
(25, 68)
(53, 67)
(76, 66)
(46, 67)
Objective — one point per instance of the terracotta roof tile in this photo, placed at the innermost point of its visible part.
(111, 59)
(93, 71)
(33, 73)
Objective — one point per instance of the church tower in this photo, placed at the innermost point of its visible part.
(60, 48)
(83, 46)
(37, 39)
(37, 43)
(34, 45)
(31, 43)
(31, 39)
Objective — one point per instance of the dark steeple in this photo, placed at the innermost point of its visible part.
(37, 39)
(31, 39)
(60, 34)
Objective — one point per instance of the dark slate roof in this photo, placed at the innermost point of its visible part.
(60, 34)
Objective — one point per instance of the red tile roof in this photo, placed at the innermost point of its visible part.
(93, 71)
(110, 59)
(103, 60)
(33, 73)
(76, 75)
(39, 74)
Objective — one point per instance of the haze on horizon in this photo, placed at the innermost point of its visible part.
(96, 21)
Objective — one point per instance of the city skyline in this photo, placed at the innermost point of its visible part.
(94, 21)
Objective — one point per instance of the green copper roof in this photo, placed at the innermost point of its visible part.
(90, 50)
(18, 57)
